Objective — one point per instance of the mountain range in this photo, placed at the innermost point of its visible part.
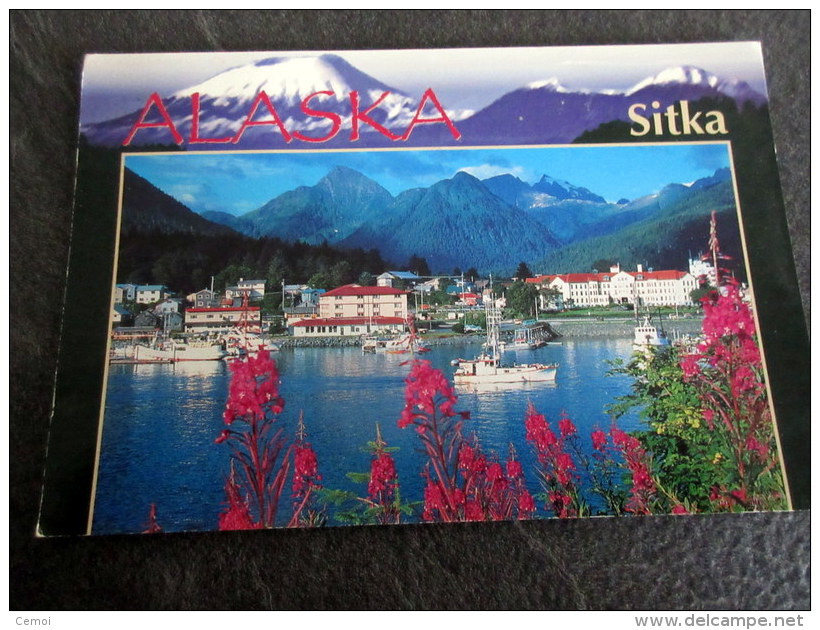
(539, 113)
(462, 221)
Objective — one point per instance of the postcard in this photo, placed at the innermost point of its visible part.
(313, 289)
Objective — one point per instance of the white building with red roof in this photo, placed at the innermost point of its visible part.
(346, 326)
(353, 300)
(353, 309)
(654, 288)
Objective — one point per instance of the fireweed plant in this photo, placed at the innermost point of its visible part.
(462, 484)
(260, 456)
(726, 371)
(709, 445)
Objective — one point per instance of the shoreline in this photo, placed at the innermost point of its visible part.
(566, 329)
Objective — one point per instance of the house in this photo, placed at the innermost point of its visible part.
(150, 293)
(170, 321)
(168, 305)
(125, 293)
(406, 278)
(202, 299)
(254, 289)
(353, 300)
(121, 315)
(222, 319)
(147, 319)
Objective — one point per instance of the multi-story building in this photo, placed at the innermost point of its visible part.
(653, 288)
(353, 300)
(353, 309)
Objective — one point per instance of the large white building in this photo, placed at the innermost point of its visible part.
(653, 288)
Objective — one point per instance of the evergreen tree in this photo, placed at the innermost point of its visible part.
(523, 272)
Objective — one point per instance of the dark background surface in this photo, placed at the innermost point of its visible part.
(756, 561)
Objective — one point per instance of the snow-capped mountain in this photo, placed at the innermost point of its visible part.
(699, 78)
(286, 80)
(548, 112)
(227, 99)
(541, 112)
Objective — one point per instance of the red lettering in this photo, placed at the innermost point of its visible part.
(195, 124)
(364, 117)
(335, 119)
(418, 120)
(262, 98)
(153, 101)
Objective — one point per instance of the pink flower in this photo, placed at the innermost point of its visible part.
(382, 476)
(598, 440)
(566, 427)
(305, 469)
(526, 505)
(514, 470)
(427, 392)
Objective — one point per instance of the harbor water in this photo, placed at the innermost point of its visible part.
(161, 422)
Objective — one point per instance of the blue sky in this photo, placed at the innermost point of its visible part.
(237, 183)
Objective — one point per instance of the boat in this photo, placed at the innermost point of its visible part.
(488, 368)
(174, 350)
(405, 343)
(239, 342)
(647, 335)
(531, 336)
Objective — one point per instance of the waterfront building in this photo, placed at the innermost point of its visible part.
(653, 288)
(353, 300)
(346, 326)
(295, 314)
(222, 319)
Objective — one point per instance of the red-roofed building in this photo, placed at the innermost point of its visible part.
(355, 326)
(667, 287)
(353, 300)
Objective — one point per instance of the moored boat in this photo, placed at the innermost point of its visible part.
(487, 367)
(173, 351)
(647, 335)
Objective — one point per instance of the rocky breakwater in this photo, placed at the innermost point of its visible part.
(622, 328)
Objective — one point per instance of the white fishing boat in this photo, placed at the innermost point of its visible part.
(487, 368)
(647, 335)
(403, 344)
(173, 350)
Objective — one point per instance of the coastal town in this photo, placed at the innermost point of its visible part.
(394, 298)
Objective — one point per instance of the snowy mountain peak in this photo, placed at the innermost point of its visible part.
(548, 84)
(287, 79)
(700, 78)
(689, 75)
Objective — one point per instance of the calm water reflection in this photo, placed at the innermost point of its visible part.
(161, 422)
